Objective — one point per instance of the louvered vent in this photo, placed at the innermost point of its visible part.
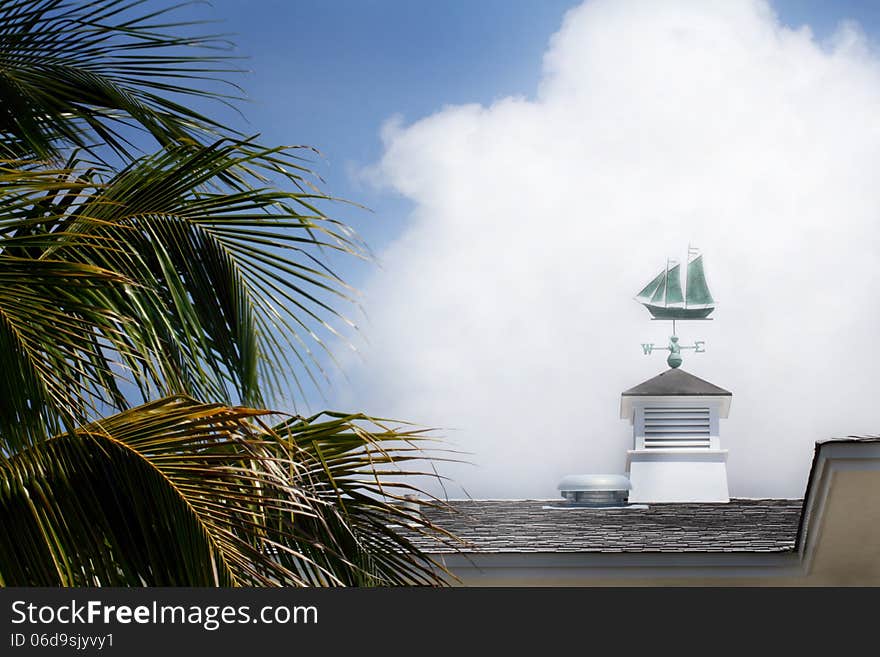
(677, 428)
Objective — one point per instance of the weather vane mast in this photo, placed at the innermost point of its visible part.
(664, 300)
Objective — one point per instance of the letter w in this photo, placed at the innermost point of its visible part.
(647, 348)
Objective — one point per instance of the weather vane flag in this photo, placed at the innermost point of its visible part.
(664, 299)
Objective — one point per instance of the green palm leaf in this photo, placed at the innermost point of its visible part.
(177, 492)
(196, 272)
(78, 73)
(53, 332)
(227, 287)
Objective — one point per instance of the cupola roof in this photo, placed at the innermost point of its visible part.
(676, 383)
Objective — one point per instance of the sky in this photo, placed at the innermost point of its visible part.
(531, 165)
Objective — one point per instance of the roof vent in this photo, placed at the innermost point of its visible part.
(595, 490)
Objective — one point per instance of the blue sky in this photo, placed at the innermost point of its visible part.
(329, 73)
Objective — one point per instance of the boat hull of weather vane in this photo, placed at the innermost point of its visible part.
(663, 312)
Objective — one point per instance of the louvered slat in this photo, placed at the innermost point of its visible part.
(679, 444)
(677, 428)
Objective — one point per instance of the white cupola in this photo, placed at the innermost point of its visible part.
(676, 455)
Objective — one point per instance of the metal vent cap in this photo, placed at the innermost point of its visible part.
(597, 482)
(595, 490)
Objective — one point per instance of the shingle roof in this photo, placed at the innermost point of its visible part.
(676, 382)
(505, 526)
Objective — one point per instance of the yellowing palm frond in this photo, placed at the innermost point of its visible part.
(181, 493)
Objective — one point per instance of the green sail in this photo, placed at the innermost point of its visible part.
(651, 287)
(673, 287)
(659, 297)
(697, 290)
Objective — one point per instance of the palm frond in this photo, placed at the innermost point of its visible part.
(78, 73)
(199, 271)
(362, 467)
(181, 493)
(225, 283)
(55, 334)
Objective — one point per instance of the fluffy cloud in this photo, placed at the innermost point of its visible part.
(504, 311)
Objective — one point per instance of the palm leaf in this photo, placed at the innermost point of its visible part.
(177, 492)
(198, 271)
(230, 298)
(83, 73)
(54, 333)
(362, 468)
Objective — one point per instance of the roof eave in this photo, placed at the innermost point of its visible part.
(627, 402)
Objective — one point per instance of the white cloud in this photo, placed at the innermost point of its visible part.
(505, 309)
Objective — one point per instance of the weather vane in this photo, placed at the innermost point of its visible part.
(664, 300)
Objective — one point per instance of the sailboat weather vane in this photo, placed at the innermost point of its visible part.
(664, 300)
